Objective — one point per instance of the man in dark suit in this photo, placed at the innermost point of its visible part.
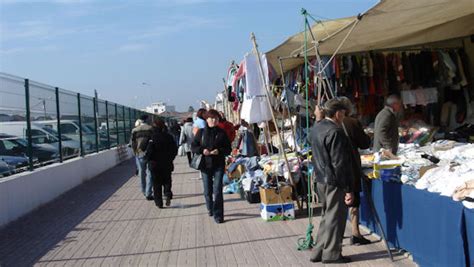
(358, 140)
(331, 156)
(386, 125)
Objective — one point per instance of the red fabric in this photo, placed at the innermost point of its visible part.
(228, 128)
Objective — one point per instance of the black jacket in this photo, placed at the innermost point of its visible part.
(331, 155)
(358, 140)
(162, 150)
(212, 138)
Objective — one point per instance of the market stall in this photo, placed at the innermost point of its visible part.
(421, 50)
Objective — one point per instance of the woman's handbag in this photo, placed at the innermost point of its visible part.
(196, 162)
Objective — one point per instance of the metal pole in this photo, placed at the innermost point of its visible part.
(107, 123)
(58, 119)
(116, 124)
(96, 108)
(129, 122)
(124, 128)
(80, 122)
(28, 125)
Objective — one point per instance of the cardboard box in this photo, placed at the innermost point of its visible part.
(277, 212)
(237, 173)
(272, 196)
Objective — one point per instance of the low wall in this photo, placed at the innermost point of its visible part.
(24, 192)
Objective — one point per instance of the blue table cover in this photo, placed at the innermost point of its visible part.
(429, 226)
(469, 223)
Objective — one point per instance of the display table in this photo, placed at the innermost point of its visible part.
(431, 227)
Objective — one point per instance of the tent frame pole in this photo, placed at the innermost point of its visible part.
(257, 54)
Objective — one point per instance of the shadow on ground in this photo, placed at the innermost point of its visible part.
(27, 239)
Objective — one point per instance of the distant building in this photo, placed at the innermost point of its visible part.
(160, 107)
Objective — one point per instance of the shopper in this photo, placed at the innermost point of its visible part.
(186, 138)
(386, 125)
(161, 152)
(227, 126)
(358, 140)
(212, 143)
(330, 147)
(141, 135)
(199, 122)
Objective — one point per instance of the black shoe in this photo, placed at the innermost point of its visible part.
(218, 220)
(149, 198)
(341, 259)
(210, 213)
(359, 240)
(315, 259)
(168, 202)
(159, 204)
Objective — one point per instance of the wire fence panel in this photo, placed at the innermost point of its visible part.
(13, 147)
(69, 122)
(41, 124)
(112, 124)
(88, 125)
(102, 124)
(121, 125)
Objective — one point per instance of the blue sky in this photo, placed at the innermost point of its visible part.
(180, 49)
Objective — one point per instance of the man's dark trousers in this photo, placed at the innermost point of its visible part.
(161, 182)
(333, 223)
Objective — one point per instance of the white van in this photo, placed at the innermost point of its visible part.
(70, 128)
(41, 136)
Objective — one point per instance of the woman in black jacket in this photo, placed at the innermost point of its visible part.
(161, 152)
(213, 144)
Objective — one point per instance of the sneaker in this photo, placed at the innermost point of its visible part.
(341, 259)
(168, 201)
(359, 240)
(218, 220)
(149, 198)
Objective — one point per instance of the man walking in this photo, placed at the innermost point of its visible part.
(141, 135)
(386, 125)
(334, 177)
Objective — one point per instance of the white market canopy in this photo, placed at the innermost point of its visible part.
(389, 24)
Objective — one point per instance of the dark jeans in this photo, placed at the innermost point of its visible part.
(212, 181)
(161, 184)
(189, 157)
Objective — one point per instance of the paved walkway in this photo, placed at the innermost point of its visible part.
(106, 221)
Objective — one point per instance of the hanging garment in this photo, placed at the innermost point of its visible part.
(255, 109)
(248, 145)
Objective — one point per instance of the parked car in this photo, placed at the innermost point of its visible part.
(18, 147)
(70, 128)
(41, 136)
(17, 162)
(5, 169)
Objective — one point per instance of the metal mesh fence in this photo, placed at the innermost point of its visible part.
(41, 124)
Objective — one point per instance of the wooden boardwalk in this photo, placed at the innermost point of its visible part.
(107, 222)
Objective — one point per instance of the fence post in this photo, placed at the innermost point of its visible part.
(124, 128)
(116, 124)
(28, 125)
(130, 126)
(60, 142)
(107, 123)
(96, 108)
(80, 123)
